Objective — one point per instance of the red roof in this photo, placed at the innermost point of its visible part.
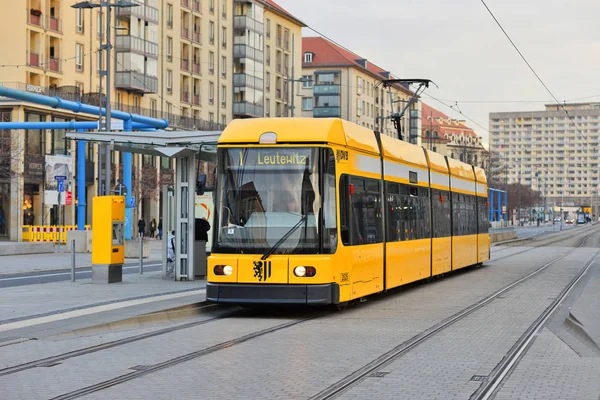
(283, 11)
(327, 53)
(443, 123)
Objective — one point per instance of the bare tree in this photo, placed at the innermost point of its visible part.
(9, 157)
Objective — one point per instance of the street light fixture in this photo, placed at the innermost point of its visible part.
(107, 127)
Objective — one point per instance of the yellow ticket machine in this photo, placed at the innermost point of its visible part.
(108, 251)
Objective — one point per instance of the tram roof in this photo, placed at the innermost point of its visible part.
(460, 169)
(301, 130)
(156, 143)
(480, 175)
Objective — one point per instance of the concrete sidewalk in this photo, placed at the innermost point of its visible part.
(62, 260)
(52, 308)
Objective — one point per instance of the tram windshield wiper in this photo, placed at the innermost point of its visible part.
(284, 237)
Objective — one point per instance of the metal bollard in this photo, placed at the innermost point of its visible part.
(141, 255)
(73, 260)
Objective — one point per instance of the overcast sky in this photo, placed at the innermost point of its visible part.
(457, 44)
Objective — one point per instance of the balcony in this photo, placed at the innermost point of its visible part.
(196, 100)
(127, 43)
(185, 3)
(34, 60)
(143, 11)
(54, 24)
(243, 22)
(243, 80)
(326, 90)
(185, 64)
(54, 65)
(326, 112)
(35, 17)
(197, 37)
(196, 68)
(131, 80)
(185, 33)
(196, 5)
(243, 51)
(248, 109)
(185, 97)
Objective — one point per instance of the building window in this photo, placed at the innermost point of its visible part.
(223, 96)
(223, 66)
(224, 38)
(358, 108)
(268, 55)
(268, 81)
(308, 57)
(79, 20)
(100, 61)
(170, 16)
(211, 32)
(307, 103)
(268, 28)
(169, 49)
(100, 25)
(153, 109)
(211, 63)
(211, 93)
(286, 39)
(224, 9)
(307, 81)
(169, 81)
(79, 57)
(268, 108)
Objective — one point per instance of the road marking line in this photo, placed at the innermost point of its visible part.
(65, 273)
(94, 310)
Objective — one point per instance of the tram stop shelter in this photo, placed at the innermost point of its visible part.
(185, 147)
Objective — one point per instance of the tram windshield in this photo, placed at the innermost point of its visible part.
(263, 193)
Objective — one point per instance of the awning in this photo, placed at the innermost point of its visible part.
(177, 144)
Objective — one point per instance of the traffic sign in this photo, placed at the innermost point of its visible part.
(60, 178)
(69, 198)
(131, 202)
(61, 186)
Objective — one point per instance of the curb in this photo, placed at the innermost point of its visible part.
(39, 271)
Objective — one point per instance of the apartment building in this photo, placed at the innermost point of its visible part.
(452, 137)
(549, 150)
(339, 83)
(172, 59)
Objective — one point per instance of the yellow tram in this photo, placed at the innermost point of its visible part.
(323, 211)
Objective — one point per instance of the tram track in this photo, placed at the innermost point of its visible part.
(546, 242)
(491, 384)
(145, 370)
(109, 345)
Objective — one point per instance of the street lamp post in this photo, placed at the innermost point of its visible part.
(106, 47)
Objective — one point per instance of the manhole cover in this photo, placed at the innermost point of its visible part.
(379, 374)
(479, 378)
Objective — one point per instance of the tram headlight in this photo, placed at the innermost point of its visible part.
(303, 271)
(223, 270)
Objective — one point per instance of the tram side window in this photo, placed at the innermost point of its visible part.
(408, 216)
(329, 217)
(360, 206)
(483, 215)
(441, 213)
(457, 215)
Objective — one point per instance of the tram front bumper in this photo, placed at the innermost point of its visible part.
(239, 293)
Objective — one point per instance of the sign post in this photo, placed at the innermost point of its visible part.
(60, 179)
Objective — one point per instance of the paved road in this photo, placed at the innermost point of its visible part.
(32, 278)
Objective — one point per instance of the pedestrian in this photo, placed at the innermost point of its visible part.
(171, 247)
(152, 228)
(201, 229)
(141, 227)
(160, 228)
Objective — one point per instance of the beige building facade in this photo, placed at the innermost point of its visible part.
(186, 61)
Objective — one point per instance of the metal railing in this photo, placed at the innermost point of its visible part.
(244, 22)
(132, 43)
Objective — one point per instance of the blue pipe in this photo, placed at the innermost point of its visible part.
(127, 181)
(71, 125)
(81, 188)
(78, 107)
